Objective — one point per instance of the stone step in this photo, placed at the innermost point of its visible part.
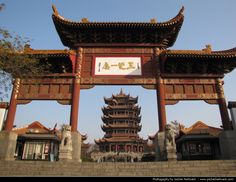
(217, 168)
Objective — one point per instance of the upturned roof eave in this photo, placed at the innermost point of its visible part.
(65, 29)
(230, 53)
(176, 20)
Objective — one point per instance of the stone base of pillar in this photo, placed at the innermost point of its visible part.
(160, 147)
(65, 154)
(76, 145)
(171, 153)
(73, 150)
(7, 145)
(227, 140)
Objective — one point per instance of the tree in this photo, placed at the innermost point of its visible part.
(13, 62)
(2, 5)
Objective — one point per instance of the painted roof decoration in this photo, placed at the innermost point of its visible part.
(34, 127)
(37, 130)
(203, 61)
(200, 128)
(74, 34)
(154, 34)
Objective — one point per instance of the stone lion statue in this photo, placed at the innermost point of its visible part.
(65, 150)
(66, 127)
(169, 135)
(66, 136)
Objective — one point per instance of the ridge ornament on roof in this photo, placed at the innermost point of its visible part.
(86, 33)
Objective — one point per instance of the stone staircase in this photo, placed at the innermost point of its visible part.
(217, 168)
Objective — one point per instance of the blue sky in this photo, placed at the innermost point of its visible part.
(206, 22)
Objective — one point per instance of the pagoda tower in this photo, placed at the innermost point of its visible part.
(121, 124)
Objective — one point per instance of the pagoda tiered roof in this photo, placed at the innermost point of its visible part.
(121, 95)
(119, 139)
(85, 33)
(106, 111)
(135, 107)
(119, 126)
(118, 107)
(115, 98)
(106, 118)
(203, 61)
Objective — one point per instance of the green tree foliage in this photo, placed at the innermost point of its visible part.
(12, 57)
(13, 62)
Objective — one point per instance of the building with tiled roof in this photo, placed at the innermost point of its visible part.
(86, 33)
(199, 142)
(37, 142)
(176, 75)
(205, 61)
(121, 126)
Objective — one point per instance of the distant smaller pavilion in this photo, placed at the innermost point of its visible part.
(199, 142)
(37, 142)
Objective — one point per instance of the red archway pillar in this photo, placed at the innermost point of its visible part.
(224, 114)
(75, 104)
(12, 107)
(160, 91)
(223, 107)
(74, 115)
(161, 104)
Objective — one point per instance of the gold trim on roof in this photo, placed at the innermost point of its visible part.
(177, 19)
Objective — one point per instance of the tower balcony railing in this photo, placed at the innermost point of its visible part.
(123, 125)
(120, 135)
(121, 107)
(123, 115)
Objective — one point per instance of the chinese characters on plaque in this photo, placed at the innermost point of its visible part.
(118, 66)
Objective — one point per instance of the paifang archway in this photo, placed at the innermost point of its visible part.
(122, 53)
